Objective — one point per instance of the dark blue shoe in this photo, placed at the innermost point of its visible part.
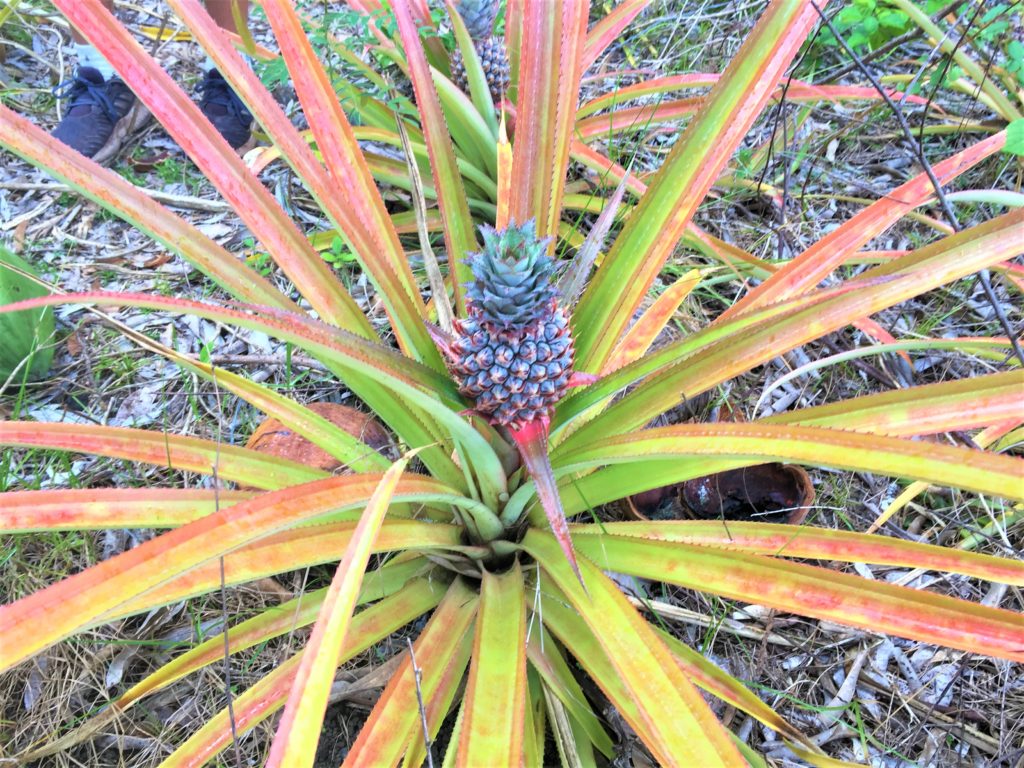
(225, 110)
(99, 114)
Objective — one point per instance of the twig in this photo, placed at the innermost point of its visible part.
(297, 361)
(939, 697)
(159, 35)
(175, 201)
(445, 314)
(686, 616)
(947, 209)
(417, 674)
(946, 66)
(224, 595)
(971, 735)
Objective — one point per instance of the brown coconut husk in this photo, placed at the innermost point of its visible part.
(274, 438)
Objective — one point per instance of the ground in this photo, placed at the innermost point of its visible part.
(862, 697)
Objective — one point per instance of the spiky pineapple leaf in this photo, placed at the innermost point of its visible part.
(697, 363)
(694, 163)
(546, 658)
(298, 731)
(98, 508)
(552, 41)
(451, 195)
(820, 593)
(187, 454)
(31, 623)
(348, 449)
(492, 728)
(268, 694)
(958, 467)
(810, 543)
(475, 75)
(181, 116)
(805, 270)
(400, 583)
(668, 713)
(607, 30)
(532, 441)
(444, 645)
(927, 409)
(662, 111)
(416, 383)
(119, 197)
(352, 199)
(642, 334)
(281, 552)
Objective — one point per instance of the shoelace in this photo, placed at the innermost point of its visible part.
(216, 90)
(85, 92)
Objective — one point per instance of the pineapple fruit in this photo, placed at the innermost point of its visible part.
(479, 16)
(513, 354)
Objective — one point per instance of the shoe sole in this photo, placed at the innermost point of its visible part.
(136, 117)
(249, 144)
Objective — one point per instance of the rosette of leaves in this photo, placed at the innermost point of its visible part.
(522, 623)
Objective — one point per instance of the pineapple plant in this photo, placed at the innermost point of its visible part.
(512, 355)
(478, 16)
(513, 649)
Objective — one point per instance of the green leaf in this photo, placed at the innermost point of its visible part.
(413, 381)
(967, 468)
(458, 224)
(492, 728)
(1015, 137)
(546, 658)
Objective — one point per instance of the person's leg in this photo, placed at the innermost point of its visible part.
(87, 54)
(100, 109)
(220, 11)
(219, 102)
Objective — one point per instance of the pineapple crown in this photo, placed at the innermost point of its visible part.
(513, 272)
(478, 16)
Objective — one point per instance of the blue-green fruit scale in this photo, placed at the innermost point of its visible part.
(25, 335)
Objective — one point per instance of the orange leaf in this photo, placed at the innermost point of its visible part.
(298, 732)
(641, 335)
(807, 269)
(695, 162)
(817, 592)
(445, 642)
(548, 89)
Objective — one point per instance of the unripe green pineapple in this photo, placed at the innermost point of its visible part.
(479, 18)
(513, 354)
